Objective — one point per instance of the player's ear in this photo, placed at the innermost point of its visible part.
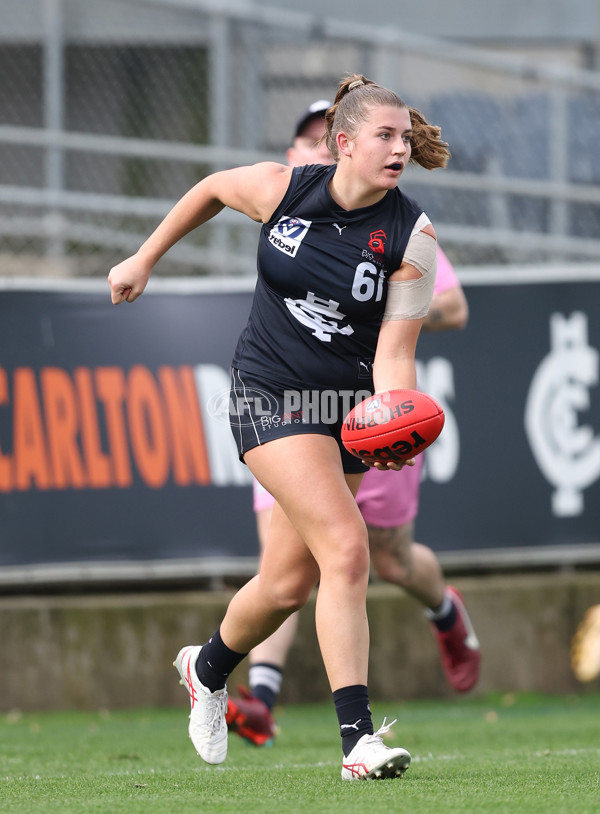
(344, 143)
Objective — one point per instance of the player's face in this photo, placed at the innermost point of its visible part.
(381, 150)
(308, 149)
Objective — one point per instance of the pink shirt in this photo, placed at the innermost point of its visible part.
(446, 277)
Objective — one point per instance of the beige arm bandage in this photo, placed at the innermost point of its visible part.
(410, 299)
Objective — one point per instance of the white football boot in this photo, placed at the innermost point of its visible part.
(207, 727)
(371, 759)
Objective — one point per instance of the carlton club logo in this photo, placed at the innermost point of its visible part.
(376, 241)
(566, 449)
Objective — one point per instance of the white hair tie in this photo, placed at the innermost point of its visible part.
(355, 84)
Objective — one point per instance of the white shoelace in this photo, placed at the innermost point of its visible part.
(383, 728)
(218, 708)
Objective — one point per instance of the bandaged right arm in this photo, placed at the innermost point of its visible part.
(410, 299)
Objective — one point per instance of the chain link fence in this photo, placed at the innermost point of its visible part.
(110, 111)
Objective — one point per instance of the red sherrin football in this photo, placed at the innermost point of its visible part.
(392, 426)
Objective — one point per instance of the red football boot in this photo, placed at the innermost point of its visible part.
(250, 718)
(459, 647)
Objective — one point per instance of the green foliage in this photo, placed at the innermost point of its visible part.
(508, 754)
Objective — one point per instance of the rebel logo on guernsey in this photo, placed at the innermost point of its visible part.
(288, 233)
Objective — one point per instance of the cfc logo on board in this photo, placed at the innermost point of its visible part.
(566, 449)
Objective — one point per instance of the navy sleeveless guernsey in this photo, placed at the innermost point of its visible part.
(322, 282)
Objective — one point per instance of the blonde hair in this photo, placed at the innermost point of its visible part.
(357, 95)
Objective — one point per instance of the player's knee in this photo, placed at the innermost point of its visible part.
(389, 568)
(292, 602)
(351, 562)
(344, 556)
(290, 595)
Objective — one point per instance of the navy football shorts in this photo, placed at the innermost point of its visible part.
(261, 410)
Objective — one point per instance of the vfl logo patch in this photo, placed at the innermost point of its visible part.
(288, 233)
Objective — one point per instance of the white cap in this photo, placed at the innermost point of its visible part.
(315, 111)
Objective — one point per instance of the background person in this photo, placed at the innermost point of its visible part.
(307, 328)
(388, 502)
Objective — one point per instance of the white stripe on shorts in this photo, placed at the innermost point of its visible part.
(234, 371)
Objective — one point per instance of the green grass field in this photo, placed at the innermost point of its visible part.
(521, 754)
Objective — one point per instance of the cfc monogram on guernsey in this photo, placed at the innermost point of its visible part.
(322, 278)
(323, 317)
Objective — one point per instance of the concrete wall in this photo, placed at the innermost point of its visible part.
(101, 651)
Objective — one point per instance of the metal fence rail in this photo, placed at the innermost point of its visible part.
(109, 112)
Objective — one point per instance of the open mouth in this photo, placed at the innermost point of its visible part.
(397, 167)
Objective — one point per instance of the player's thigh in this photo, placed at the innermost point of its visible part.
(305, 475)
(285, 557)
(287, 566)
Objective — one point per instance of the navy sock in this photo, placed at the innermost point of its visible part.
(215, 662)
(354, 715)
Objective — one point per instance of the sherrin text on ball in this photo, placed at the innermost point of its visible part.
(394, 425)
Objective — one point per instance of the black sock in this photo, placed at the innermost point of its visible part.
(354, 715)
(215, 662)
